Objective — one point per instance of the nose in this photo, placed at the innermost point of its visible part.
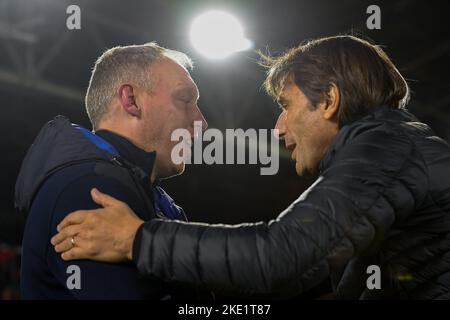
(281, 126)
(198, 116)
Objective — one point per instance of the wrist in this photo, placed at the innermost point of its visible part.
(129, 245)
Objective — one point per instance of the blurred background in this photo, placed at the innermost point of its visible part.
(45, 69)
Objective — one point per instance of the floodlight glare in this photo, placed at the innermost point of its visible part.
(217, 34)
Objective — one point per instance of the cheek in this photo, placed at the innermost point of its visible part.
(295, 127)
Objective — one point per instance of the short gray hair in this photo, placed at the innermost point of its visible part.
(120, 65)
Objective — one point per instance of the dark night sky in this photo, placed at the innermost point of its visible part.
(46, 57)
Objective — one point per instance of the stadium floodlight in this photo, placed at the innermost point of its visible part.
(217, 35)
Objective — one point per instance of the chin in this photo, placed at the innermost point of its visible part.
(305, 172)
(176, 170)
(300, 170)
(181, 167)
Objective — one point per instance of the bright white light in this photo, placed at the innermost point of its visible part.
(217, 35)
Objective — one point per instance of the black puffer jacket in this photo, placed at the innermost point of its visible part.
(382, 198)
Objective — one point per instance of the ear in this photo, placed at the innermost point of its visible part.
(128, 100)
(330, 106)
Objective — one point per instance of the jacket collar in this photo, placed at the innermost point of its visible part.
(129, 151)
(348, 132)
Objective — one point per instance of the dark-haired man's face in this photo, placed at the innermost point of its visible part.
(307, 132)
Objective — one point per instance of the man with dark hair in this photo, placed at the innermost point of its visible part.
(380, 204)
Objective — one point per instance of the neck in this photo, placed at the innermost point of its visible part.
(131, 134)
(126, 130)
(153, 175)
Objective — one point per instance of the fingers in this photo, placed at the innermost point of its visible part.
(103, 199)
(78, 249)
(66, 244)
(84, 250)
(76, 253)
(65, 233)
(76, 217)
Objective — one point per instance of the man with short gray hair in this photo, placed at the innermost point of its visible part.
(123, 65)
(137, 96)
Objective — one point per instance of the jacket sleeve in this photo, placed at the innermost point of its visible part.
(373, 182)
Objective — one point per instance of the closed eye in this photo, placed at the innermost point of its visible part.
(186, 95)
(185, 100)
(282, 103)
(283, 106)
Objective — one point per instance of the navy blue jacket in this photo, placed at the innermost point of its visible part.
(44, 274)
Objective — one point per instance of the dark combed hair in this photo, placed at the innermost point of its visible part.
(365, 76)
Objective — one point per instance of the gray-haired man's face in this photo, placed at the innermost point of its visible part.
(171, 104)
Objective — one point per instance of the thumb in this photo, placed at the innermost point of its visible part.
(102, 199)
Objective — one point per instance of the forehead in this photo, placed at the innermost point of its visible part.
(168, 74)
(289, 91)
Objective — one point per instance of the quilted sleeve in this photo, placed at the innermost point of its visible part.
(372, 181)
